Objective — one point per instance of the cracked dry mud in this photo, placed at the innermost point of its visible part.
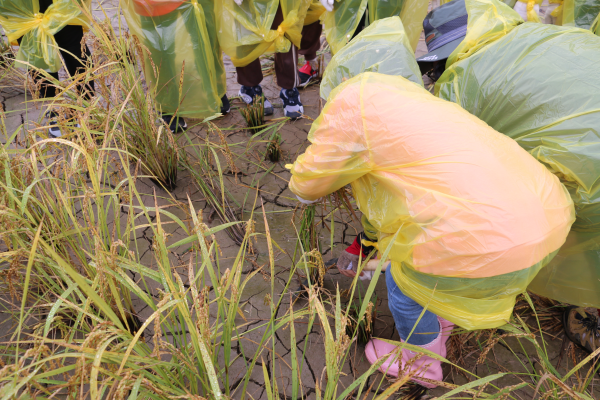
(280, 203)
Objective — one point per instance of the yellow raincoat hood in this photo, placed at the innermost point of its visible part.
(477, 216)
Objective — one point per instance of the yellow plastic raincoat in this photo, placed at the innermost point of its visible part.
(476, 216)
(540, 85)
(314, 12)
(382, 47)
(245, 31)
(180, 36)
(341, 23)
(21, 19)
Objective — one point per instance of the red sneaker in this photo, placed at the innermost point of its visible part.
(306, 74)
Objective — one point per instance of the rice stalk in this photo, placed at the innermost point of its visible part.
(273, 153)
(210, 183)
(130, 106)
(254, 114)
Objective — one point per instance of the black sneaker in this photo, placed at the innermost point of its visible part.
(248, 94)
(582, 328)
(225, 106)
(176, 124)
(292, 107)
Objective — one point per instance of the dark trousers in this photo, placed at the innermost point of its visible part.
(68, 40)
(286, 64)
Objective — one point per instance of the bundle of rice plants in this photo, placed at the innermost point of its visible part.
(254, 114)
(273, 153)
(199, 163)
(124, 102)
(362, 327)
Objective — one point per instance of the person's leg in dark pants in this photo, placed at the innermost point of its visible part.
(286, 69)
(69, 40)
(311, 43)
(250, 78)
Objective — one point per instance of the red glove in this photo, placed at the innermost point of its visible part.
(347, 263)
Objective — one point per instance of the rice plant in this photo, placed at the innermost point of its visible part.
(129, 105)
(364, 327)
(254, 114)
(202, 162)
(273, 153)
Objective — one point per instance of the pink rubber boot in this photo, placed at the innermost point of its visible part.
(446, 327)
(426, 366)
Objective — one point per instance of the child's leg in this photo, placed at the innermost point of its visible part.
(406, 312)
(311, 40)
(250, 75)
(286, 64)
(69, 40)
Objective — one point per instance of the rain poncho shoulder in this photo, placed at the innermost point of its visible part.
(341, 23)
(383, 47)
(540, 85)
(475, 216)
(245, 30)
(21, 19)
(183, 60)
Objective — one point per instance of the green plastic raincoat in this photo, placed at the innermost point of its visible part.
(580, 13)
(540, 85)
(21, 19)
(181, 37)
(383, 47)
(341, 23)
(468, 215)
(245, 31)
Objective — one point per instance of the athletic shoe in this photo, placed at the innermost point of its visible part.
(175, 124)
(582, 328)
(248, 94)
(307, 73)
(292, 107)
(54, 129)
(225, 106)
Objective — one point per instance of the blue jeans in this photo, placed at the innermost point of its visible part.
(406, 312)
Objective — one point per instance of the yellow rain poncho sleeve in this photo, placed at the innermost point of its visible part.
(540, 85)
(314, 12)
(476, 216)
(383, 47)
(180, 37)
(21, 19)
(341, 23)
(245, 31)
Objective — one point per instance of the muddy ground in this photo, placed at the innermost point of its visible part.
(279, 203)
